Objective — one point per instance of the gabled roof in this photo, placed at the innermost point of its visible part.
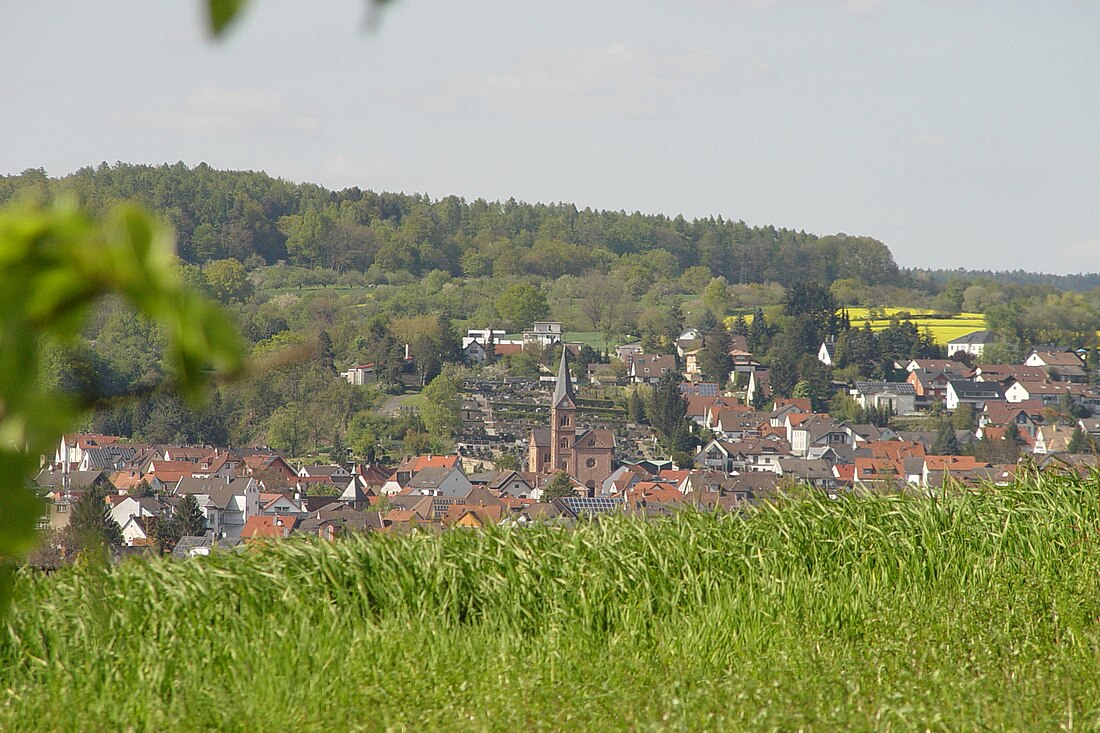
(936, 365)
(268, 526)
(419, 463)
(969, 389)
(429, 478)
(595, 438)
(974, 338)
(1058, 358)
(53, 479)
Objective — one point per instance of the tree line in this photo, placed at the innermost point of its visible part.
(257, 219)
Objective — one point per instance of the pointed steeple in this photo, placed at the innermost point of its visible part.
(563, 387)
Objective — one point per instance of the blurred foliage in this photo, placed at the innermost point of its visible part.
(55, 262)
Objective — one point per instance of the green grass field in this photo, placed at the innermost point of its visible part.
(978, 612)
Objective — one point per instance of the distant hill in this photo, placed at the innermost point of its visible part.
(253, 217)
(1079, 282)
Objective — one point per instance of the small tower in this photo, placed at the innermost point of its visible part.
(563, 418)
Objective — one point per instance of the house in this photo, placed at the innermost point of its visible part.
(71, 448)
(278, 503)
(691, 363)
(361, 374)
(807, 431)
(1026, 416)
(648, 369)
(1063, 366)
(1052, 439)
(200, 546)
(605, 374)
(899, 397)
(543, 333)
(937, 468)
(269, 526)
(53, 478)
(972, 393)
(826, 354)
(759, 389)
(409, 467)
(227, 506)
(737, 423)
(135, 532)
(338, 474)
(816, 473)
(931, 384)
(270, 468)
(513, 483)
(479, 344)
(935, 365)
(742, 457)
(623, 352)
(108, 457)
(124, 507)
(448, 483)
(1050, 394)
(972, 343)
(1008, 373)
(698, 406)
(338, 520)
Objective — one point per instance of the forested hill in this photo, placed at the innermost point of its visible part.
(251, 216)
(1079, 282)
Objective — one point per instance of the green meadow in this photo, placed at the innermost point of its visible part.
(978, 611)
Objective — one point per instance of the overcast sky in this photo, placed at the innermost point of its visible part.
(960, 133)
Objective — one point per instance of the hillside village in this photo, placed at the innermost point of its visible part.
(581, 460)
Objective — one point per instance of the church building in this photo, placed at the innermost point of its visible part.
(585, 455)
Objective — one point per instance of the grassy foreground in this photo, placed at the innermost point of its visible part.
(978, 612)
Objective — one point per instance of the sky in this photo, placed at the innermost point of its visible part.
(962, 133)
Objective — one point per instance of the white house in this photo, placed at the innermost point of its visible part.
(129, 506)
(227, 506)
(449, 483)
(361, 374)
(972, 343)
(543, 333)
(971, 392)
(900, 397)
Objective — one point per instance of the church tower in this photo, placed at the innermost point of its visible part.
(563, 419)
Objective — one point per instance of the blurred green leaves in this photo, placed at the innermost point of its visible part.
(55, 262)
(222, 13)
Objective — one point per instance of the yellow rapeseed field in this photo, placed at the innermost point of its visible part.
(944, 328)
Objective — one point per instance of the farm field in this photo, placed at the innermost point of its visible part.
(977, 611)
(943, 328)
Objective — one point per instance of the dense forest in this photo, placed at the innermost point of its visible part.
(257, 219)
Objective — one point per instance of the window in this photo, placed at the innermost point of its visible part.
(62, 508)
(564, 420)
(564, 443)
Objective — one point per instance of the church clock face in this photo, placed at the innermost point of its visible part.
(590, 463)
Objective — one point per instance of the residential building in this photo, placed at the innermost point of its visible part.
(972, 343)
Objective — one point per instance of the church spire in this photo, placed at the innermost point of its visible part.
(563, 386)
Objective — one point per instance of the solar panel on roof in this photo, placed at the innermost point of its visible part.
(592, 504)
(700, 389)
